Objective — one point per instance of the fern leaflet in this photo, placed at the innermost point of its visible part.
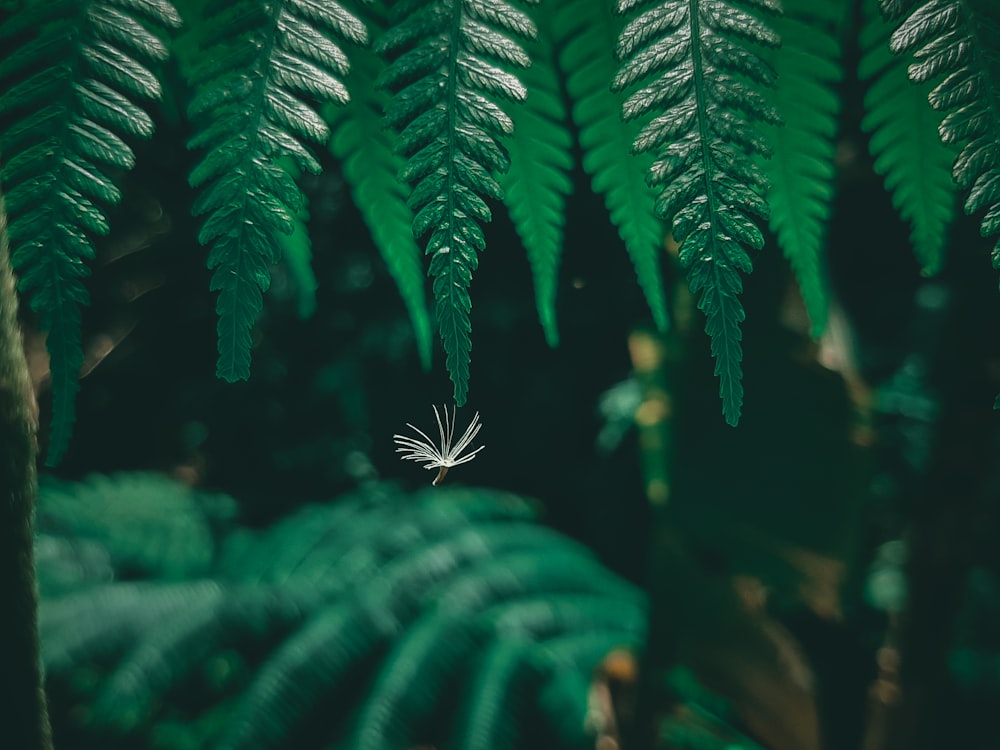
(905, 143)
(703, 98)
(538, 181)
(585, 37)
(70, 79)
(450, 59)
(802, 170)
(370, 167)
(264, 61)
(958, 40)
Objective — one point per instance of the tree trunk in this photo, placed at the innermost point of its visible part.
(24, 723)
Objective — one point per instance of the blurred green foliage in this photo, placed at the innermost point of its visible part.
(379, 620)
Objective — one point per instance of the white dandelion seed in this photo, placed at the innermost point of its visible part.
(448, 455)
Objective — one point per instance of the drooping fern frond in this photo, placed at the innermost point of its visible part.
(538, 182)
(905, 143)
(365, 150)
(705, 98)
(585, 34)
(265, 63)
(71, 77)
(451, 60)
(801, 170)
(957, 40)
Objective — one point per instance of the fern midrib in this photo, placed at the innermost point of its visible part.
(254, 142)
(697, 65)
(450, 180)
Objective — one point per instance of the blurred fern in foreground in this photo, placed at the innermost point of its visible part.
(470, 617)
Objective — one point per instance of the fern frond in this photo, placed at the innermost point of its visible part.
(150, 526)
(301, 670)
(71, 76)
(279, 552)
(265, 62)
(550, 615)
(180, 642)
(801, 170)
(450, 61)
(433, 652)
(704, 99)
(347, 551)
(64, 565)
(381, 602)
(538, 182)
(421, 585)
(370, 165)
(99, 624)
(905, 143)
(524, 573)
(958, 41)
(585, 34)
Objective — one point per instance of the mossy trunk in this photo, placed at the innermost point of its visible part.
(24, 723)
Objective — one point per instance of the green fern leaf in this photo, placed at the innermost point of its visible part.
(69, 79)
(704, 98)
(405, 585)
(180, 642)
(905, 143)
(538, 182)
(99, 624)
(264, 62)
(585, 34)
(370, 165)
(958, 41)
(65, 565)
(321, 654)
(802, 171)
(450, 61)
(148, 524)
